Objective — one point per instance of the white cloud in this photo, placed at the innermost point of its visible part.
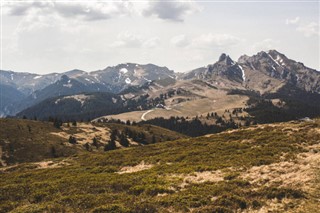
(151, 42)
(180, 41)
(310, 29)
(215, 40)
(171, 10)
(128, 39)
(293, 21)
(132, 40)
(266, 44)
(89, 11)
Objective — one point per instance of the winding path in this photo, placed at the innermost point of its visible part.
(144, 114)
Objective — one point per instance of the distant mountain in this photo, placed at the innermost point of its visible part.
(8, 97)
(37, 88)
(263, 83)
(263, 72)
(27, 83)
(266, 71)
(123, 75)
(224, 68)
(268, 86)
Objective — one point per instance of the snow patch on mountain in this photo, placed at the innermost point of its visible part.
(128, 81)
(123, 70)
(147, 79)
(67, 85)
(252, 67)
(37, 77)
(171, 76)
(273, 60)
(280, 60)
(80, 98)
(243, 74)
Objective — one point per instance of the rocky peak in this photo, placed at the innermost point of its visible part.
(243, 59)
(224, 58)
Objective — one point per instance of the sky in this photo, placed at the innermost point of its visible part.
(57, 36)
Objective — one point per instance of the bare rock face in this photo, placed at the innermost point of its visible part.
(265, 72)
(277, 66)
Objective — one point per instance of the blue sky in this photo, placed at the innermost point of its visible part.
(56, 36)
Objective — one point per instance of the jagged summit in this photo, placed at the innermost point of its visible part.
(226, 59)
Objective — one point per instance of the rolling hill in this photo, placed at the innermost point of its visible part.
(24, 140)
(263, 168)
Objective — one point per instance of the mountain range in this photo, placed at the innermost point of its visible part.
(126, 91)
(28, 89)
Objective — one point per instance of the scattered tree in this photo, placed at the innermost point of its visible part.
(72, 140)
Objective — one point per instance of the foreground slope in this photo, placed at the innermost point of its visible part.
(263, 168)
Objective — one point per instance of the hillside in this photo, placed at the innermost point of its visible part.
(30, 141)
(263, 168)
(76, 107)
(27, 141)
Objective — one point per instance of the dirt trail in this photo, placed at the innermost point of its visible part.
(144, 114)
(2, 162)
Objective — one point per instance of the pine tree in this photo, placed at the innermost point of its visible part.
(110, 146)
(123, 140)
(113, 135)
(87, 146)
(57, 123)
(53, 152)
(72, 140)
(95, 142)
(153, 139)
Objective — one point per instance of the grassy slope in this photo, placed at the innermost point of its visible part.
(161, 134)
(25, 141)
(30, 141)
(91, 181)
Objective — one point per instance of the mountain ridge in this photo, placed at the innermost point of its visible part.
(265, 73)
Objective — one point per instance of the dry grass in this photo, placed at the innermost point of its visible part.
(137, 168)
